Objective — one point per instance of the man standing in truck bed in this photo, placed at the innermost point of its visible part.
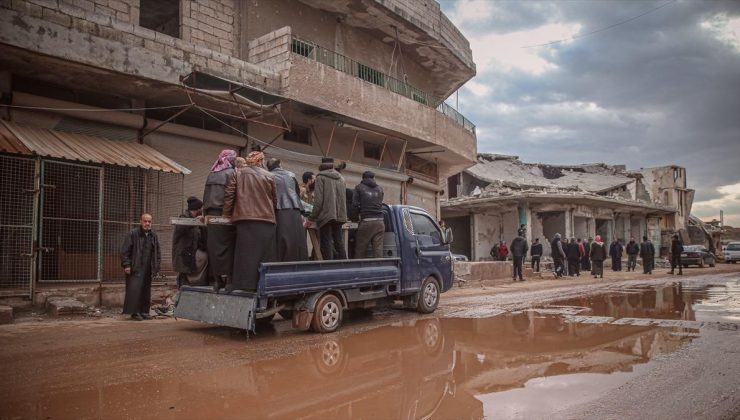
(368, 200)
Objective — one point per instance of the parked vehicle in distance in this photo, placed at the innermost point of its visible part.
(697, 255)
(732, 252)
(315, 293)
(459, 257)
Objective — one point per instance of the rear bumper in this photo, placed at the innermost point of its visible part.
(691, 261)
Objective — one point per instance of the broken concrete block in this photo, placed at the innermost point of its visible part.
(6, 314)
(59, 306)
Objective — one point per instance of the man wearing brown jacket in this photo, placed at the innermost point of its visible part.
(330, 210)
(250, 201)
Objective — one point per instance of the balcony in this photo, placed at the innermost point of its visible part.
(356, 69)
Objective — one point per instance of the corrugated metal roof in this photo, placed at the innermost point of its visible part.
(27, 140)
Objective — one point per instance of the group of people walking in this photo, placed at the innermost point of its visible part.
(572, 257)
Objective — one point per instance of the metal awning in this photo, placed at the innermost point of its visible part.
(27, 140)
(247, 94)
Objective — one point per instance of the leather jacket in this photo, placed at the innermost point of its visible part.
(368, 199)
(213, 195)
(250, 195)
(132, 251)
(287, 190)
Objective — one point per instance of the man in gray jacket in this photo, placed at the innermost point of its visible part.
(290, 234)
(330, 210)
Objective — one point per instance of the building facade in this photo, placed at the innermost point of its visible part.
(488, 203)
(363, 81)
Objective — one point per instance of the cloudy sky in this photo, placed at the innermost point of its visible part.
(660, 89)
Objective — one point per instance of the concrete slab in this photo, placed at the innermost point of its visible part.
(6, 314)
(59, 306)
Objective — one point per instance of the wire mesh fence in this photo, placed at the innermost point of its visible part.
(16, 223)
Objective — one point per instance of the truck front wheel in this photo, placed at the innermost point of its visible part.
(328, 314)
(428, 296)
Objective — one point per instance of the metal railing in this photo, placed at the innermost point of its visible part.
(346, 65)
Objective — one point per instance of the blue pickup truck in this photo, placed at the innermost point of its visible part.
(416, 267)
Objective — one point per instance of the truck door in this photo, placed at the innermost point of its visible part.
(428, 250)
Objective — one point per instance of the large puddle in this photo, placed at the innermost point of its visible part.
(524, 364)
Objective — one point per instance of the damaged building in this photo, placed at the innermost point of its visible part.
(127, 103)
(487, 203)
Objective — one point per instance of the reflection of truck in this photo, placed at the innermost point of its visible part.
(417, 269)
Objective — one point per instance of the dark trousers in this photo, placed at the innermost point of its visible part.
(631, 262)
(536, 263)
(558, 266)
(616, 264)
(518, 269)
(574, 266)
(585, 263)
(332, 241)
(369, 232)
(598, 268)
(676, 262)
(647, 265)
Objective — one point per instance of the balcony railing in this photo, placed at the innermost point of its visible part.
(346, 65)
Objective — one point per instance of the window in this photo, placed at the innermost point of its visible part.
(371, 75)
(426, 230)
(160, 15)
(301, 48)
(298, 134)
(372, 150)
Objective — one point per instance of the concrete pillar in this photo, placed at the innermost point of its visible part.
(473, 253)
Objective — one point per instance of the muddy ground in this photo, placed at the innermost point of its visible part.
(628, 346)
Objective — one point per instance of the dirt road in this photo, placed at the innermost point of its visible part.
(632, 346)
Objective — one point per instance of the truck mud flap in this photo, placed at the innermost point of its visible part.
(235, 310)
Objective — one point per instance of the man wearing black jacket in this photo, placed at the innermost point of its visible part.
(676, 250)
(368, 201)
(632, 250)
(536, 255)
(647, 253)
(519, 248)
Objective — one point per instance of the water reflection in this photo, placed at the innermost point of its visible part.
(427, 369)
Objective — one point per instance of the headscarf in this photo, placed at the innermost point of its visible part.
(225, 160)
(255, 158)
(597, 239)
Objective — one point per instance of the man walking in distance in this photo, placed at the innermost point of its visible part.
(676, 250)
(615, 252)
(189, 257)
(573, 252)
(250, 200)
(558, 256)
(598, 255)
(140, 258)
(536, 253)
(647, 253)
(220, 238)
(368, 200)
(290, 234)
(586, 260)
(519, 248)
(330, 210)
(632, 250)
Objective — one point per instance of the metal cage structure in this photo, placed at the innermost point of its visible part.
(65, 222)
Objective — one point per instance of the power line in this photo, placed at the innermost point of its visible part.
(604, 28)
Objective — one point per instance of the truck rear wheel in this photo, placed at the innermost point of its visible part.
(428, 296)
(328, 314)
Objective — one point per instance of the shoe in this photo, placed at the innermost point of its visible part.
(146, 316)
(137, 317)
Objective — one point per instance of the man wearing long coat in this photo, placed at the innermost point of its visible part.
(140, 259)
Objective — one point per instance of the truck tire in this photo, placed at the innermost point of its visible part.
(430, 335)
(328, 314)
(428, 296)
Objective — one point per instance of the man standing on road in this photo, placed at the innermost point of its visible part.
(573, 252)
(289, 232)
(140, 258)
(250, 200)
(647, 253)
(615, 252)
(676, 250)
(519, 248)
(368, 200)
(598, 255)
(189, 256)
(536, 255)
(632, 250)
(558, 255)
(330, 210)
(586, 260)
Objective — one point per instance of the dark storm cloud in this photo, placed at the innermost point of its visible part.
(655, 91)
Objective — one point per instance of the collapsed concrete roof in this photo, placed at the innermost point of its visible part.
(513, 173)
